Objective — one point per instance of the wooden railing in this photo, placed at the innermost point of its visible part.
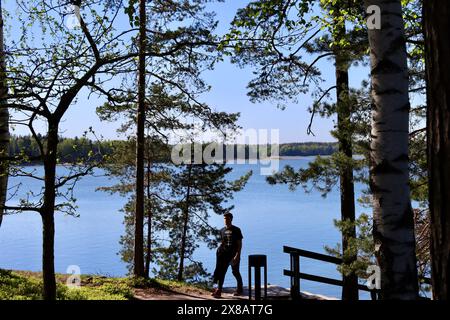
(295, 274)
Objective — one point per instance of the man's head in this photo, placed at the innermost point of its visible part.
(228, 218)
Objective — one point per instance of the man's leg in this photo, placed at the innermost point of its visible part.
(237, 275)
(222, 275)
(222, 267)
(216, 274)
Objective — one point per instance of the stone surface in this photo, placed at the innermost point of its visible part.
(273, 292)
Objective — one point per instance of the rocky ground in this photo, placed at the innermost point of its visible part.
(273, 292)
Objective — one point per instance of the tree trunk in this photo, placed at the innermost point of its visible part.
(437, 29)
(4, 123)
(183, 241)
(47, 215)
(347, 190)
(149, 217)
(393, 227)
(139, 212)
(350, 282)
(185, 227)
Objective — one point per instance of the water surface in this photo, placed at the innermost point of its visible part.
(269, 217)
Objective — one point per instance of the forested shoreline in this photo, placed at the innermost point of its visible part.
(77, 150)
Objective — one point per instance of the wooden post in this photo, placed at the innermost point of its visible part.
(295, 279)
(265, 279)
(373, 295)
(249, 280)
(257, 283)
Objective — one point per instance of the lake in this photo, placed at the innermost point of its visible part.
(269, 217)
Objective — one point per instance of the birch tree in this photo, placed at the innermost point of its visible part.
(393, 227)
(46, 81)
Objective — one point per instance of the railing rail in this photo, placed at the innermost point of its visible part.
(295, 274)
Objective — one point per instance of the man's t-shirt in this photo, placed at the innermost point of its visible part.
(230, 237)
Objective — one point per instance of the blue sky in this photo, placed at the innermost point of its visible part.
(228, 94)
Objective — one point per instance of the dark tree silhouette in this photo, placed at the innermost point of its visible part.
(437, 29)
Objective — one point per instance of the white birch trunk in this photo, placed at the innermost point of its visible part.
(392, 212)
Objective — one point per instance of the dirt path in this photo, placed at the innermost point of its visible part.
(273, 292)
(197, 294)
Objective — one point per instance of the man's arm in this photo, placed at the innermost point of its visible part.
(237, 257)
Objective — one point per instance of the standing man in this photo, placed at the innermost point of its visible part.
(229, 252)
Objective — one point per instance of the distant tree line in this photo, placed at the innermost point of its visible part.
(308, 149)
(70, 150)
(77, 149)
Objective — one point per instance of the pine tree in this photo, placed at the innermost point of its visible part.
(437, 28)
(140, 139)
(283, 73)
(4, 123)
(169, 112)
(198, 189)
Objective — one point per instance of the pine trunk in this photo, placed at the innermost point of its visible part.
(4, 123)
(148, 256)
(437, 30)
(347, 189)
(183, 244)
(350, 282)
(139, 212)
(393, 227)
(185, 227)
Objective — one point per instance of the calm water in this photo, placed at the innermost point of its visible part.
(269, 217)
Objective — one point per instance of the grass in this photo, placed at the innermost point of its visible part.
(20, 285)
(25, 285)
(176, 286)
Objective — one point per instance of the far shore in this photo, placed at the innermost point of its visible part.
(233, 160)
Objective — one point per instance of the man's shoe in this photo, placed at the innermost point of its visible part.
(217, 294)
(238, 293)
(214, 291)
